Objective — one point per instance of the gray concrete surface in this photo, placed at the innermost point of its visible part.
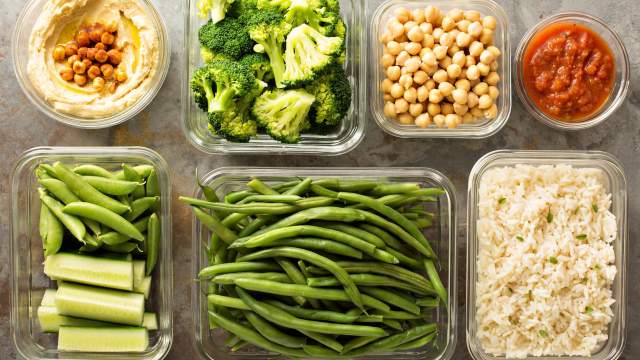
(158, 127)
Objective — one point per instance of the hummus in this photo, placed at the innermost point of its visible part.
(137, 37)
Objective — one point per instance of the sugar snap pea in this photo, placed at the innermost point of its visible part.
(152, 187)
(111, 186)
(143, 170)
(92, 170)
(104, 216)
(272, 333)
(124, 248)
(115, 238)
(152, 243)
(72, 223)
(53, 231)
(131, 175)
(244, 266)
(140, 206)
(60, 190)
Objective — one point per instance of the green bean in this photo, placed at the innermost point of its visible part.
(269, 237)
(139, 206)
(72, 223)
(272, 333)
(352, 185)
(435, 280)
(114, 237)
(410, 216)
(286, 199)
(232, 340)
(92, 170)
(261, 188)
(296, 277)
(143, 170)
(325, 245)
(321, 352)
(398, 231)
(252, 336)
(152, 188)
(239, 346)
(368, 280)
(60, 190)
(329, 213)
(423, 223)
(215, 270)
(322, 191)
(86, 192)
(389, 240)
(392, 298)
(282, 318)
(394, 188)
(104, 216)
(394, 324)
(111, 186)
(227, 301)
(350, 287)
(213, 224)
(404, 259)
(298, 189)
(234, 197)
(428, 302)
(359, 233)
(393, 341)
(220, 256)
(152, 243)
(303, 268)
(131, 175)
(229, 279)
(397, 315)
(323, 339)
(260, 208)
(390, 270)
(53, 232)
(123, 248)
(418, 343)
(275, 288)
(358, 342)
(255, 225)
(320, 315)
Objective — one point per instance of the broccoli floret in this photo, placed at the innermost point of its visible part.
(313, 13)
(283, 113)
(307, 54)
(237, 124)
(340, 30)
(332, 91)
(216, 9)
(260, 66)
(269, 29)
(276, 5)
(240, 7)
(209, 56)
(202, 88)
(229, 37)
(219, 83)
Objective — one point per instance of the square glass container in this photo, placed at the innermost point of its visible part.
(28, 280)
(210, 344)
(338, 141)
(478, 130)
(615, 184)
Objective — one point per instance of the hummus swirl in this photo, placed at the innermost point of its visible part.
(137, 37)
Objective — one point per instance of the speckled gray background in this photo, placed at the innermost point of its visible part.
(158, 127)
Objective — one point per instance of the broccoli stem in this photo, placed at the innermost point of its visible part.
(274, 51)
(218, 10)
(222, 100)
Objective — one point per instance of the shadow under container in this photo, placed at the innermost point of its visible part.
(344, 138)
(621, 82)
(615, 184)
(479, 130)
(28, 281)
(210, 344)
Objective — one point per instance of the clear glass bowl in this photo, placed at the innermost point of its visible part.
(616, 185)
(20, 55)
(339, 141)
(210, 344)
(622, 70)
(479, 130)
(28, 280)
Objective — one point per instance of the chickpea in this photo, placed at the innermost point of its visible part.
(107, 70)
(420, 77)
(489, 22)
(444, 63)
(394, 48)
(96, 33)
(476, 112)
(385, 85)
(492, 112)
(416, 109)
(453, 49)
(484, 102)
(98, 83)
(59, 53)
(387, 97)
(460, 96)
(71, 59)
(406, 81)
(67, 74)
(427, 28)
(476, 48)
(492, 79)
(460, 109)
(390, 110)
(402, 106)
(433, 109)
(113, 87)
(79, 79)
(463, 84)
(396, 90)
(402, 14)
(463, 39)
(437, 32)
(467, 118)
(413, 64)
(484, 69)
(446, 39)
(411, 95)
(454, 70)
(456, 14)
(430, 59)
(423, 120)
(82, 38)
(481, 88)
(415, 34)
(463, 25)
(70, 49)
(396, 29)
(387, 60)
(493, 92)
(405, 119)
(87, 63)
(435, 96)
(440, 76)
(475, 29)
(409, 25)
(429, 69)
(386, 37)
(402, 58)
(472, 99)
(100, 46)
(107, 38)
(448, 23)
(430, 85)
(452, 121)
(82, 52)
(101, 56)
(432, 14)
(469, 60)
(494, 66)
(487, 57)
(459, 58)
(428, 41)
(423, 94)
(495, 51)
(486, 37)
(440, 52)
(393, 73)
(121, 75)
(439, 120)
(413, 48)
(472, 15)
(91, 53)
(418, 15)
(445, 88)
(446, 108)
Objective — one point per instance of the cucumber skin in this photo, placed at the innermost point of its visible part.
(103, 339)
(49, 298)
(50, 320)
(102, 304)
(144, 287)
(138, 272)
(110, 273)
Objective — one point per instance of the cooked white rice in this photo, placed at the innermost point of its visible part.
(544, 288)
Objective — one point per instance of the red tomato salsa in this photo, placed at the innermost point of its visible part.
(568, 71)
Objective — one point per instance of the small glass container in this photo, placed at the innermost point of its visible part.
(28, 280)
(20, 55)
(622, 70)
(482, 128)
(615, 184)
(337, 141)
(210, 344)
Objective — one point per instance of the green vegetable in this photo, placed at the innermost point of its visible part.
(103, 339)
(104, 216)
(581, 237)
(92, 270)
(520, 238)
(228, 38)
(215, 9)
(549, 216)
(283, 113)
(553, 260)
(269, 29)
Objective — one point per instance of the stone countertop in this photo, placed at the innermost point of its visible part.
(158, 127)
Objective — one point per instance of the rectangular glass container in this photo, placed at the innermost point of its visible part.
(210, 344)
(338, 141)
(481, 129)
(615, 185)
(28, 280)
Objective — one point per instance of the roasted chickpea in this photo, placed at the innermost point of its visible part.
(91, 53)
(67, 74)
(82, 38)
(107, 70)
(121, 75)
(82, 52)
(107, 38)
(59, 53)
(101, 56)
(390, 110)
(93, 72)
(98, 83)
(87, 63)
(393, 73)
(71, 59)
(423, 120)
(115, 56)
(80, 79)
(113, 87)
(70, 49)
(396, 90)
(111, 27)
(96, 34)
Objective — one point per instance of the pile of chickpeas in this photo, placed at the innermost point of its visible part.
(440, 68)
(92, 55)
